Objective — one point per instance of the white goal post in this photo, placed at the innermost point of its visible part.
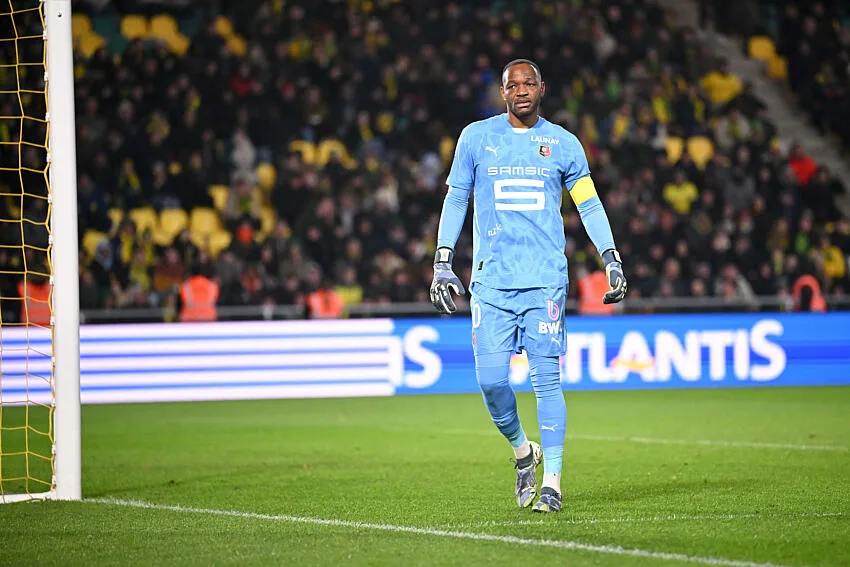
(63, 250)
(66, 302)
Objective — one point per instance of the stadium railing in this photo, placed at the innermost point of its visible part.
(636, 305)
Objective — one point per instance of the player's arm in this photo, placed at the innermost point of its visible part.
(461, 180)
(592, 212)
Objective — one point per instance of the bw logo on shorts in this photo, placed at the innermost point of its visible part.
(553, 328)
(553, 309)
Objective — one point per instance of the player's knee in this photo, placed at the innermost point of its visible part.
(545, 373)
(492, 370)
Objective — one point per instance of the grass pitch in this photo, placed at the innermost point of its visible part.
(721, 477)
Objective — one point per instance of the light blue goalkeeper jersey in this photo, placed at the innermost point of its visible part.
(518, 176)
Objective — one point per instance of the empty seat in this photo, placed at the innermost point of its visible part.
(761, 48)
(700, 149)
(171, 222)
(674, 146)
(219, 241)
(144, 218)
(134, 27)
(777, 68)
(204, 220)
(237, 45)
(163, 26)
(89, 43)
(223, 26)
(178, 44)
(80, 25)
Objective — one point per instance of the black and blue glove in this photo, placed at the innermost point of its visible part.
(444, 281)
(616, 278)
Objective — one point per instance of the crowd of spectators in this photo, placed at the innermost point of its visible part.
(394, 81)
(815, 39)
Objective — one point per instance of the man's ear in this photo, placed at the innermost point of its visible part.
(542, 88)
(502, 92)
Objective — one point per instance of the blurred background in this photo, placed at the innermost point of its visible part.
(287, 159)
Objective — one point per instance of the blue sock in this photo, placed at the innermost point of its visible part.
(551, 409)
(492, 371)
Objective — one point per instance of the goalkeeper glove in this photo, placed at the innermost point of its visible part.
(616, 278)
(444, 281)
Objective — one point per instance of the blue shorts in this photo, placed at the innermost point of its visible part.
(519, 319)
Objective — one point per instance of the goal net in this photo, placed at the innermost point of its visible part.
(28, 444)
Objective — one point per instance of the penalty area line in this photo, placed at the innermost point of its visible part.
(557, 544)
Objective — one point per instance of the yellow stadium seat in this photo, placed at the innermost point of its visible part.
(761, 48)
(218, 241)
(178, 44)
(89, 43)
(171, 222)
(162, 238)
(163, 26)
(219, 194)
(91, 238)
(447, 149)
(223, 26)
(134, 27)
(237, 45)
(700, 149)
(674, 146)
(145, 218)
(204, 220)
(80, 25)
(268, 220)
(777, 68)
(266, 175)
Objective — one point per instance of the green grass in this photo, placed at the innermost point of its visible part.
(436, 462)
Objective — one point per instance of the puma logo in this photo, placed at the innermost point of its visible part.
(492, 149)
(546, 427)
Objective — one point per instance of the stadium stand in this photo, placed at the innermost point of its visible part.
(808, 45)
(291, 148)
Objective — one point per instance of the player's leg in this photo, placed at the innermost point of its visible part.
(492, 371)
(543, 336)
(552, 418)
(493, 339)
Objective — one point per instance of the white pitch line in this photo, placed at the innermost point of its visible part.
(559, 544)
(670, 518)
(710, 443)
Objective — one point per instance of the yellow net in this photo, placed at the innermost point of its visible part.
(26, 284)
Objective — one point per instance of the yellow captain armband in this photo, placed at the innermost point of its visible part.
(582, 190)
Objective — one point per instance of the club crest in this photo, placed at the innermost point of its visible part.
(554, 310)
(544, 151)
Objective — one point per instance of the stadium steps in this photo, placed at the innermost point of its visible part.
(790, 120)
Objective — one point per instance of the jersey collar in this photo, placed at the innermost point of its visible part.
(521, 130)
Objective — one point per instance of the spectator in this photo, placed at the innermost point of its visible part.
(680, 193)
(390, 85)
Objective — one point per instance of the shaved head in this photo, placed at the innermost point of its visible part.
(515, 62)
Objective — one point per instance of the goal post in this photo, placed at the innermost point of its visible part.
(40, 441)
(62, 157)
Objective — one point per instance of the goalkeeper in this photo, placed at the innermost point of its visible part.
(516, 165)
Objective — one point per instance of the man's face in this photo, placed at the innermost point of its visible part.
(521, 90)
